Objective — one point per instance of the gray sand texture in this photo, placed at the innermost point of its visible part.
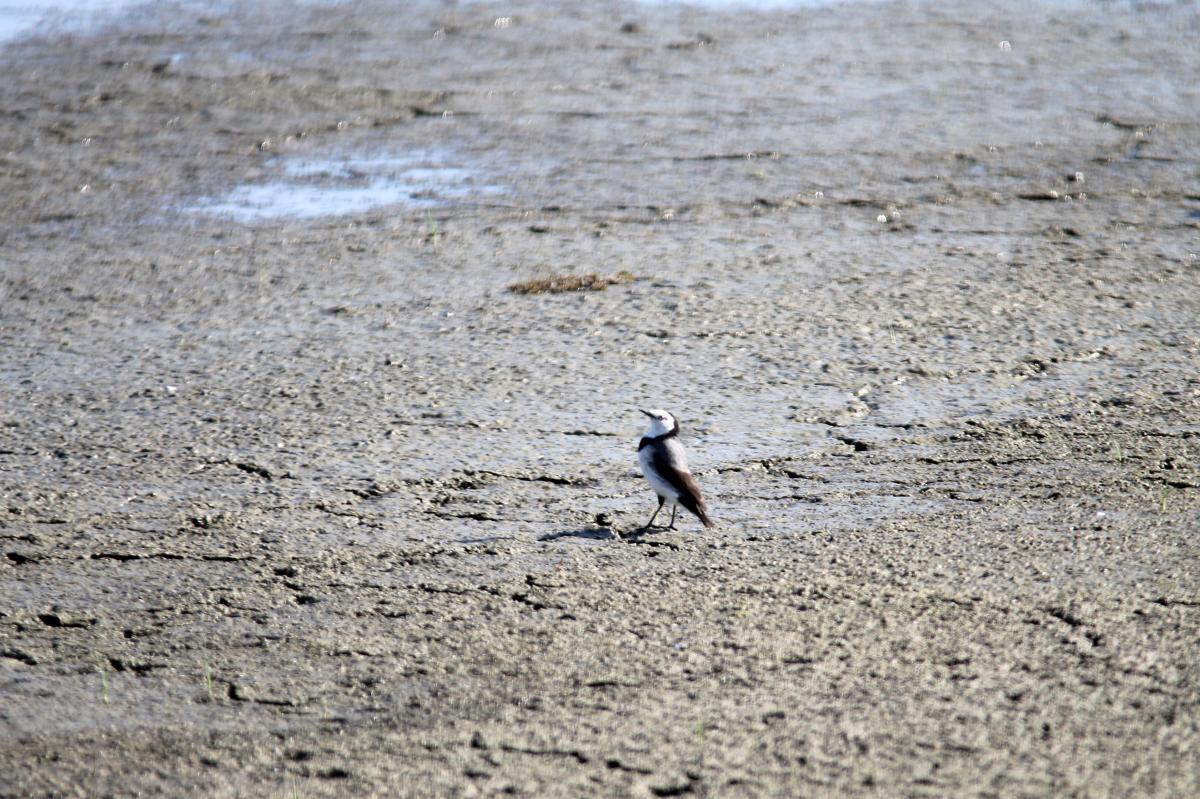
(299, 498)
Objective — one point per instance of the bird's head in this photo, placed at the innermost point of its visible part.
(660, 422)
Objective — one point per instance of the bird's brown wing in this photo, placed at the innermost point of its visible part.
(683, 482)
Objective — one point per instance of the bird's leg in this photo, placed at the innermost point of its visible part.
(650, 523)
(674, 510)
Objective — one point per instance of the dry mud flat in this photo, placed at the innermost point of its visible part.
(307, 507)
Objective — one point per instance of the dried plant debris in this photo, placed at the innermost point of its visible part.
(557, 284)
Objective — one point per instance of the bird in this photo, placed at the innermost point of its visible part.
(664, 465)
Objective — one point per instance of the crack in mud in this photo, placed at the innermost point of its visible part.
(476, 515)
(574, 754)
(858, 444)
(1176, 603)
(249, 468)
(128, 556)
(238, 694)
(530, 478)
(18, 655)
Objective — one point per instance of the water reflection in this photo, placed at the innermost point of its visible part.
(317, 187)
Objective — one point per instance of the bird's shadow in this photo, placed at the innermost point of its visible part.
(594, 533)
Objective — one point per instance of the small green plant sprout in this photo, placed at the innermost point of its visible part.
(433, 233)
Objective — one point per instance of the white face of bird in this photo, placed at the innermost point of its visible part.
(660, 422)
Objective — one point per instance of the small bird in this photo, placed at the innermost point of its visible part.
(664, 465)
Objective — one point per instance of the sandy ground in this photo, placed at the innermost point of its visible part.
(318, 507)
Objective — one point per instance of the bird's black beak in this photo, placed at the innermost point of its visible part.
(647, 413)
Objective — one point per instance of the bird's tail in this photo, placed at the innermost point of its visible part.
(696, 505)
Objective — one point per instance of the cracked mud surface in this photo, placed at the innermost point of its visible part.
(310, 508)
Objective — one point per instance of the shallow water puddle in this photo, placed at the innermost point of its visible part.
(34, 16)
(308, 188)
(752, 5)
